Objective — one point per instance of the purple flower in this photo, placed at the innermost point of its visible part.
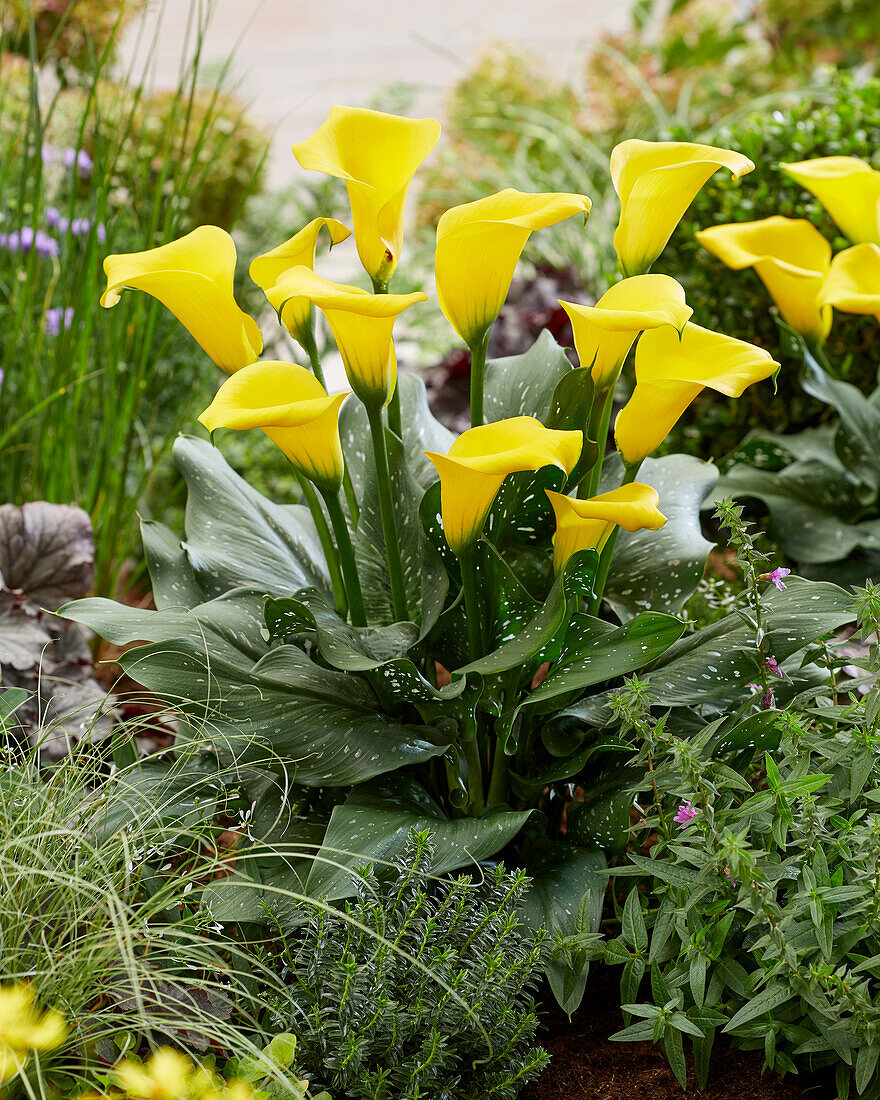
(49, 154)
(101, 233)
(777, 575)
(80, 159)
(80, 226)
(772, 666)
(685, 814)
(55, 219)
(58, 318)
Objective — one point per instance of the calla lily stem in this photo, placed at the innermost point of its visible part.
(605, 558)
(386, 509)
(326, 539)
(598, 431)
(395, 419)
(478, 350)
(346, 558)
(472, 608)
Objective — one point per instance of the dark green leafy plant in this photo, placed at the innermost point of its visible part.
(755, 910)
(418, 988)
(840, 119)
(821, 486)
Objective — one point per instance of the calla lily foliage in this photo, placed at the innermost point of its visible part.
(434, 637)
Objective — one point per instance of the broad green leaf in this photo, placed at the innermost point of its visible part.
(523, 385)
(375, 821)
(562, 876)
(10, 700)
(229, 626)
(172, 577)
(765, 1001)
(715, 665)
(236, 537)
(601, 655)
(856, 438)
(660, 570)
(323, 725)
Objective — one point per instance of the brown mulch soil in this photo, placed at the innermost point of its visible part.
(586, 1066)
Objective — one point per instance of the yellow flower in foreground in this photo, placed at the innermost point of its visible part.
(299, 251)
(853, 284)
(791, 258)
(656, 182)
(587, 524)
(848, 188)
(170, 1075)
(478, 248)
(670, 372)
(377, 155)
(361, 323)
(24, 1028)
(604, 333)
(291, 406)
(480, 459)
(193, 278)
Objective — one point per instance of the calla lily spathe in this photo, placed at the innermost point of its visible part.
(848, 188)
(291, 406)
(299, 251)
(361, 323)
(24, 1028)
(790, 257)
(193, 278)
(587, 524)
(604, 333)
(478, 248)
(480, 459)
(377, 155)
(671, 371)
(853, 284)
(656, 182)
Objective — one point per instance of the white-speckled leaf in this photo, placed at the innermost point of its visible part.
(173, 580)
(714, 665)
(523, 385)
(562, 877)
(375, 821)
(236, 537)
(660, 570)
(323, 725)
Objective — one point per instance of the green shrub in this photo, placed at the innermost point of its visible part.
(419, 988)
(69, 33)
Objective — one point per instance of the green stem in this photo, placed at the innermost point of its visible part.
(476, 803)
(605, 558)
(308, 342)
(386, 510)
(472, 608)
(478, 352)
(311, 498)
(590, 485)
(498, 781)
(346, 558)
(311, 349)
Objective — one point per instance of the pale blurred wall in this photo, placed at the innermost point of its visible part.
(294, 59)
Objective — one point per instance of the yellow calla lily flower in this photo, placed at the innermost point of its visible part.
(291, 406)
(671, 371)
(299, 251)
(24, 1028)
(193, 278)
(848, 188)
(790, 257)
(853, 283)
(377, 155)
(587, 524)
(478, 248)
(656, 182)
(361, 323)
(604, 333)
(480, 459)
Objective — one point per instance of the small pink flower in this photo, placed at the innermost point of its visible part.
(772, 665)
(777, 575)
(685, 814)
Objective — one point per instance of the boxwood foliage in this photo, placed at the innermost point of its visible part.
(839, 119)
